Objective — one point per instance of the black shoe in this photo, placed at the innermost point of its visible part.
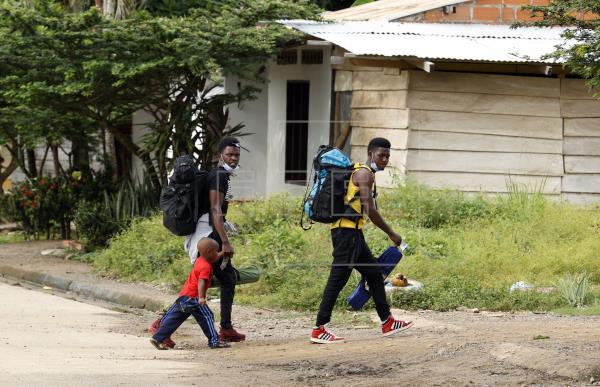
(157, 344)
(221, 344)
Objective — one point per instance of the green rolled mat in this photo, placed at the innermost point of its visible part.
(245, 275)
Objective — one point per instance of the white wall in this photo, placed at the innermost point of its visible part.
(319, 77)
(139, 127)
(250, 180)
(263, 167)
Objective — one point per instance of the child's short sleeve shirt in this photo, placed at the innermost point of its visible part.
(202, 270)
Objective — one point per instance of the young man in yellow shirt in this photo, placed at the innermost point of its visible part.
(350, 250)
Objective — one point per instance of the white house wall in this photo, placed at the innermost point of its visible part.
(251, 179)
(265, 117)
(140, 121)
(319, 77)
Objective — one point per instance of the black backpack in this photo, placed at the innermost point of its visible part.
(185, 199)
(325, 201)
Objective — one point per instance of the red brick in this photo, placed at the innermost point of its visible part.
(589, 16)
(462, 14)
(508, 14)
(486, 14)
(516, 2)
(524, 15)
(488, 2)
(435, 15)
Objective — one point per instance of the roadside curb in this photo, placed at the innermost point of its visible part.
(84, 289)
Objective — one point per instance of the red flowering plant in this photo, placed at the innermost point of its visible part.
(41, 205)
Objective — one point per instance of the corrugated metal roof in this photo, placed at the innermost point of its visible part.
(388, 10)
(461, 42)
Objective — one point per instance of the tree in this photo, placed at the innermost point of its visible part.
(103, 70)
(334, 5)
(581, 50)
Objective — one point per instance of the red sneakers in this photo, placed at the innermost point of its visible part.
(231, 335)
(154, 328)
(322, 335)
(391, 326)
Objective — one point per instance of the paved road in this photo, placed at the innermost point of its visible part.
(49, 340)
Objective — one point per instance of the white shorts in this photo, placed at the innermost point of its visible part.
(203, 229)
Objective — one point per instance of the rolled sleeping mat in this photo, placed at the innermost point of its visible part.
(387, 262)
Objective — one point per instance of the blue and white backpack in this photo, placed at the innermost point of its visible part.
(325, 202)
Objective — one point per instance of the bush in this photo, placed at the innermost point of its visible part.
(40, 205)
(574, 288)
(425, 207)
(468, 256)
(146, 251)
(95, 224)
(97, 221)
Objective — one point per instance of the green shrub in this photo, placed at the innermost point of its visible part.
(41, 205)
(467, 251)
(425, 207)
(146, 251)
(95, 223)
(574, 288)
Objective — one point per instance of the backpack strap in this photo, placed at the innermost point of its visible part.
(196, 198)
(358, 166)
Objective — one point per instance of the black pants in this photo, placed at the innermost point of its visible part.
(350, 251)
(228, 279)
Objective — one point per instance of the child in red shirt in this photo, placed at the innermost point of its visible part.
(192, 300)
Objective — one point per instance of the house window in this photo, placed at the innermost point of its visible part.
(312, 56)
(287, 57)
(296, 131)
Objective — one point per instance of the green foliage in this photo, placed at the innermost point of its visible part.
(574, 288)
(468, 257)
(97, 221)
(430, 208)
(95, 224)
(40, 205)
(146, 251)
(361, 2)
(11, 237)
(581, 49)
(91, 68)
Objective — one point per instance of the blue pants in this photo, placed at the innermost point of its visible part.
(181, 309)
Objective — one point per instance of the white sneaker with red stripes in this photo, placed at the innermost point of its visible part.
(391, 326)
(322, 335)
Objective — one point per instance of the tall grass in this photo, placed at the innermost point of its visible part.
(467, 251)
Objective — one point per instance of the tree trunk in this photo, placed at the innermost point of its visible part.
(18, 154)
(55, 159)
(112, 156)
(132, 147)
(31, 162)
(43, 163)
(7, 171)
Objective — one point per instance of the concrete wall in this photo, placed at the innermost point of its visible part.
(263, 167)
(251, 180)
(139, 127)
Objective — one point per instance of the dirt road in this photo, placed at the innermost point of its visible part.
(52, 340)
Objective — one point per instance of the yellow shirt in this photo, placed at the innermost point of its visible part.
(353, 200)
